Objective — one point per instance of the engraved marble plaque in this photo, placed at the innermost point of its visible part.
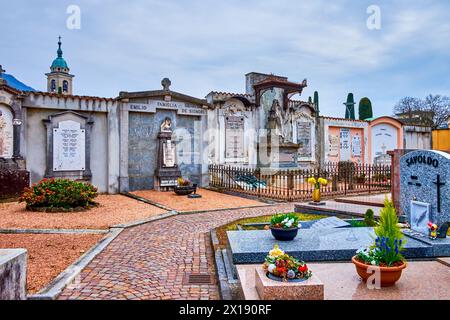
(6, 133)
(333, 150)
(304, 138)
(234, 137)
(168, 154)
(356, 146)
(69, 147)
(345, 144)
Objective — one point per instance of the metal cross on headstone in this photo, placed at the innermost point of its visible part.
(439, 184)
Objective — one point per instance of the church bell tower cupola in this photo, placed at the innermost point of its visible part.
(59, 80)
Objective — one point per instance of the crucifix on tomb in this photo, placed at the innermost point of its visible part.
(439, 184)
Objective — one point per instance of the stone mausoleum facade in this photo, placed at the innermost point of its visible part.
(124, 143)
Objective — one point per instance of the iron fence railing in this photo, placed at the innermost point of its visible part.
(344, 178)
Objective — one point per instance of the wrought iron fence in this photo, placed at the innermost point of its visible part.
(344, 178)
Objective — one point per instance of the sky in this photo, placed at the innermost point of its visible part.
(205, 46)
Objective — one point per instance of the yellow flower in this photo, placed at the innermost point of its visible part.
(276, 252)
(312, 180)
(323, 181)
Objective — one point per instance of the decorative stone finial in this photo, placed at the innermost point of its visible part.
(166, 83)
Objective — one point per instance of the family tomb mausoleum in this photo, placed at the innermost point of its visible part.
(145, 140)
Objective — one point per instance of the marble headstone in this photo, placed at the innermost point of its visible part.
(425, 189)
(69, 147)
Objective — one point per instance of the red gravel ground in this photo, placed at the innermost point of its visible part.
(48, 255)
(114, 209)
(210, 200)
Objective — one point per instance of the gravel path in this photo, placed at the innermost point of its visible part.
(151, 261)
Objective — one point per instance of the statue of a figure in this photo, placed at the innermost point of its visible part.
(166, 126)
(279, 122)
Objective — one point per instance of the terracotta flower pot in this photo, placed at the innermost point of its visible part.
(389, 275)
(316, 197)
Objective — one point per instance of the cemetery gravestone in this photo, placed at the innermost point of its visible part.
(424, 189)
(167, 171)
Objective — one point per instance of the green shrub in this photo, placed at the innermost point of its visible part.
(369, 218)
(386, 251)
(59, 193)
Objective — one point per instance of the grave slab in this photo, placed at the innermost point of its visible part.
(329, 223)
(312, 245)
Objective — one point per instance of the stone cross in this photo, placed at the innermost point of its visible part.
(166, 83)
(439, 184)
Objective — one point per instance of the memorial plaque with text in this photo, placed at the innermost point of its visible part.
(6, 133)
(169, 154)
(69, 147)
(304, 138)
(234, 137)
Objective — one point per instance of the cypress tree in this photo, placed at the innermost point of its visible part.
(365, 109)
(316, 101)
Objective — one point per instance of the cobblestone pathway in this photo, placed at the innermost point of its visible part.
(150, 261)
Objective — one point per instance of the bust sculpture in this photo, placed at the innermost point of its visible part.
(166, 125)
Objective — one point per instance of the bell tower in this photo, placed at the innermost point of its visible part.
(59, 80)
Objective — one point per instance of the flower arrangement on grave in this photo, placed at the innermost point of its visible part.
(285, 221)
(184, 187)
(433, 230)
(317, 183)
(281, 265)
(58, 195)
(183, 182)
(386, 251)
(284, 227)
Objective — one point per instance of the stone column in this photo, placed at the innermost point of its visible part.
(396, 155)
(113, 148)
(17, 124)
(124, 180)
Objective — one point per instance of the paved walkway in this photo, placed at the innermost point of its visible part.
(151, 261)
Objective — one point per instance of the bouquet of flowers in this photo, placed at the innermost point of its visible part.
(281, 265)
(317, 182)
(183, 182)
(285, 221)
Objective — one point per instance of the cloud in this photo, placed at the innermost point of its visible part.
(209, 45)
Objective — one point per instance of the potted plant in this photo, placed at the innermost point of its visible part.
(284, 227)
(385, 254)
(317, 183)
(279, 266)
(184, 187)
